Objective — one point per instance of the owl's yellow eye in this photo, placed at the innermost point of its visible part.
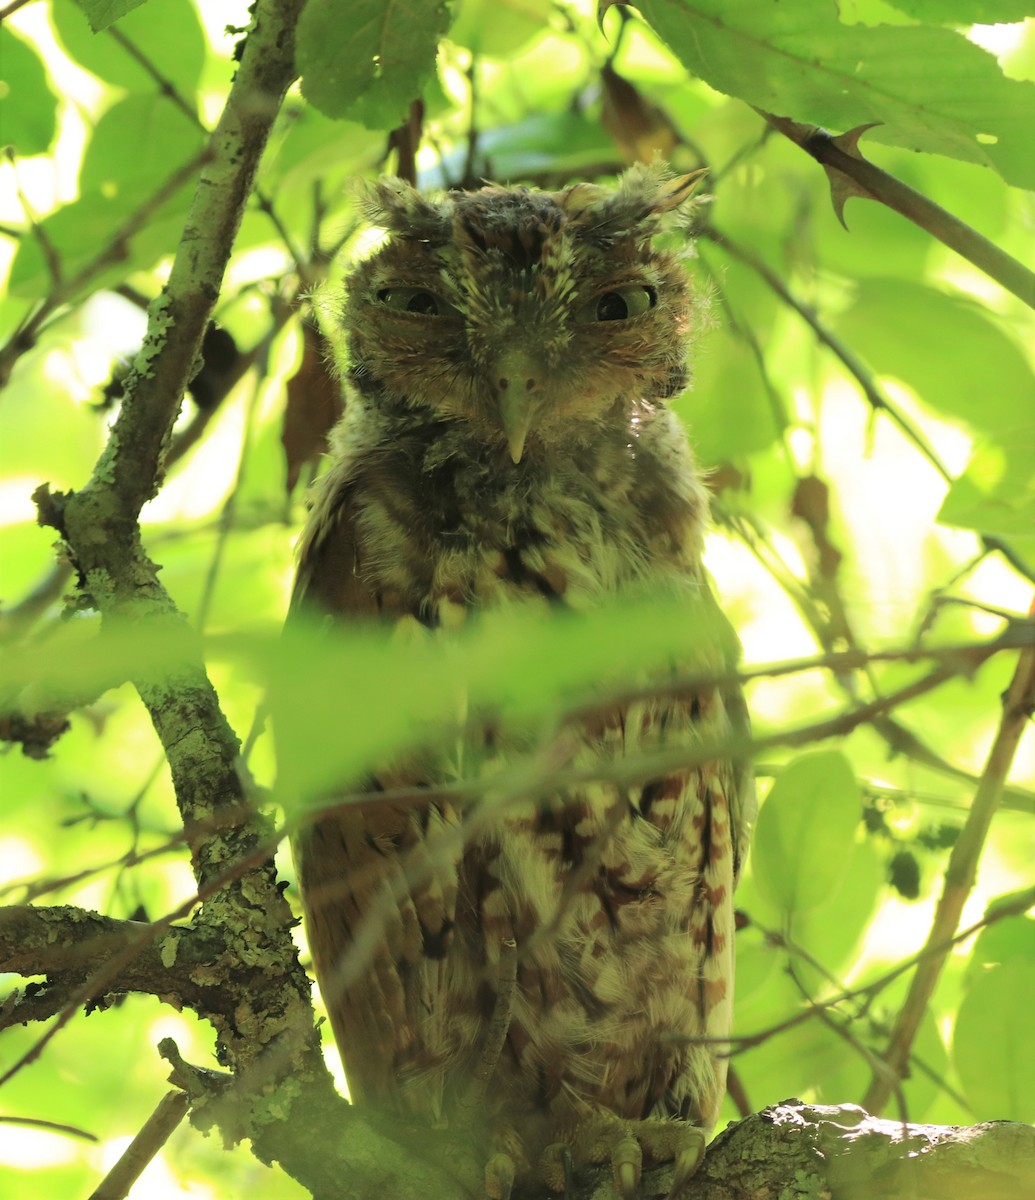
(412, 300)
(619, 304)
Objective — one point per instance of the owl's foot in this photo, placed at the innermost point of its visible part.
(626, 1145)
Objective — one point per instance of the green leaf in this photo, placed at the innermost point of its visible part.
(1012, 900)
(28, 107)
(995, 495)
(522, 663)
(102, 13)
(966, 12)
(947, 350)
(994, 1043)
(729, 411)
(80, 231)
(805, 836)
(137, 145)
(1011, 940)
(47, 435)
(498, 27)
(370, 66)
(168, 35)
(567, 142)
(307, 147)
(833, 932)
(931, 89)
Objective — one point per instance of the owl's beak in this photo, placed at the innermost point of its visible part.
(516, 416)
(518, 385)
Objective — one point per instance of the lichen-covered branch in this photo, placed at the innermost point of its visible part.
(814, 1151)
(68, 945)
(265, 1026)
(354, 1155)
(795, 1151)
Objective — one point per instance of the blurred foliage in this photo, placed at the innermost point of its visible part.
(864, 403)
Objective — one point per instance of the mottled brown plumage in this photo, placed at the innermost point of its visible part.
(540, 974)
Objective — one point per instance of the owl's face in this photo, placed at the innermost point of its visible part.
(529, 315)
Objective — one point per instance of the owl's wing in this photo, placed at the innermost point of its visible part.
(378, 900)
(743, 801)
(328, 580)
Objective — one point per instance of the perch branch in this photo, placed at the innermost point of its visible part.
(844, 1152)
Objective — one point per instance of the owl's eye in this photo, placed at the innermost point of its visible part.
(412, 300)
(620, 304)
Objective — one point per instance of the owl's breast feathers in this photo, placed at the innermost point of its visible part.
(415, 513)
(618, 897)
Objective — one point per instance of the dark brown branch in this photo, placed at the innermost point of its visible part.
(11, 8)
(49, 1126)
(840, 154)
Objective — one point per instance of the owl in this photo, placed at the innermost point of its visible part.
(550, 976)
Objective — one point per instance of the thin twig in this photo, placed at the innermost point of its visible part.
(50, 1126)
(877, 400)
(169, 89)
(50, 254)
(875, 397)
(9, 9)
(1018, 705)
(869, 991)
(63, 290)
(171, 1110)
(165, 85)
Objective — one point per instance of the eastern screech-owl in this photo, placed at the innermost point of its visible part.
(559, 980)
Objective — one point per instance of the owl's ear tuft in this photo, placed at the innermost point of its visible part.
(644, 194)
(394, 205)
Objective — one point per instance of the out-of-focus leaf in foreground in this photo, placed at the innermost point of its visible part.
(343, 701)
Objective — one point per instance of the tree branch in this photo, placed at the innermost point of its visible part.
(875, 397)
(171, 1110)
(1018, 706)
(813, 1151)
(852, 175)
(266, 1032)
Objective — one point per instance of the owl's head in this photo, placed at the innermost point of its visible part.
(531, 315)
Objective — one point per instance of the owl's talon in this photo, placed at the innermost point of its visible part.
(555, 1168)
(687, 1159)
(499, 1177)
(626, 1165)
